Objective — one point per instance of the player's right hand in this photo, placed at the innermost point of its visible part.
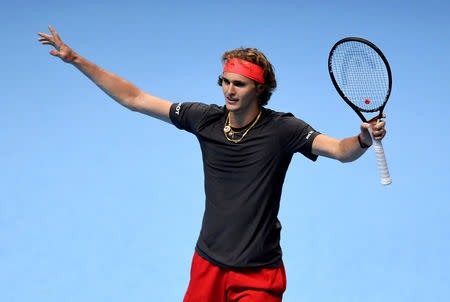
(61, 50)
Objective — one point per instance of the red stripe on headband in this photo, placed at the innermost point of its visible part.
(245, 68)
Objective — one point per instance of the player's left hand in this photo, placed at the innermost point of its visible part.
(378, 130)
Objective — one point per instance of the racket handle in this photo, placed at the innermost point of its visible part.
(381, 160)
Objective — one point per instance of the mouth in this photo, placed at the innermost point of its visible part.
(231, 100)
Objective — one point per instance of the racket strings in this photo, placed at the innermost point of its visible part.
(361, 74)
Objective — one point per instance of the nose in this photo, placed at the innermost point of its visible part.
(230, 89)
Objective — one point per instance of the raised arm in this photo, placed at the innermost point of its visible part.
(349, 149)
(116, 87)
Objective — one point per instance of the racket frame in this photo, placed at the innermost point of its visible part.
(354, 107)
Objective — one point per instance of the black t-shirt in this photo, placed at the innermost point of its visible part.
(243, 182)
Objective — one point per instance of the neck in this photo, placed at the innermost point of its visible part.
(241, 119)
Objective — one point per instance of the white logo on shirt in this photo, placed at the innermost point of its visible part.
(177, 110)
(309, 134)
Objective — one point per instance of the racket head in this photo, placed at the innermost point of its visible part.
(361, 74)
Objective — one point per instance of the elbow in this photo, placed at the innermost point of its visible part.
(343, 159)
(346, 158)
(133, 103)
(136, 101)
(349, 157)
(132, 106)
(341, 156)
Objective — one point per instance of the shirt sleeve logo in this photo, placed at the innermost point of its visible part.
(309, 134)
(178, 108)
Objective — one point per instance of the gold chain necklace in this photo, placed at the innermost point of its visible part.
(228, 131)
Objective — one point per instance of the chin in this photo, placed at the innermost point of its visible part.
(232, 108)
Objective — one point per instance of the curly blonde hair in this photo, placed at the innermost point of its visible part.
(256, 57)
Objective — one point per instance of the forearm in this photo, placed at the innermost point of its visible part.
(344, 150)
(116, 87)
(349, 149)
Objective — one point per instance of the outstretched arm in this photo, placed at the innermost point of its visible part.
(349, 149)
(119, 89)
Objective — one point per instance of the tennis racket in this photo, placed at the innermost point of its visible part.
(362, 76)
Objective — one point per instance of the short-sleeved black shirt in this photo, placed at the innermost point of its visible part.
(243, 182)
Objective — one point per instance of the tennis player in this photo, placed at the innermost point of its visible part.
(246, 150)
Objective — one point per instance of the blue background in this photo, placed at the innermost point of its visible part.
(98, 203)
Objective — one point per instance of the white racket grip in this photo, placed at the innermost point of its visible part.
(381, 160)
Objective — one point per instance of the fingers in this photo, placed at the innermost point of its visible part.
(365, 126)
(365, 135)
(378, 130)
(44, 35)
(378, 126)
(54, 33)
(376, 118)
(55, 53)
(46, 39)
(53, 39)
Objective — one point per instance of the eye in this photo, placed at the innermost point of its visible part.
(225, 80)
(239, 84)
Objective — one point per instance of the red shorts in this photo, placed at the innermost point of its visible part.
(210, 283)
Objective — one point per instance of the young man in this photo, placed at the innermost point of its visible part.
(246, 151)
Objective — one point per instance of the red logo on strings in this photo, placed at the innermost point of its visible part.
(367, 101)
